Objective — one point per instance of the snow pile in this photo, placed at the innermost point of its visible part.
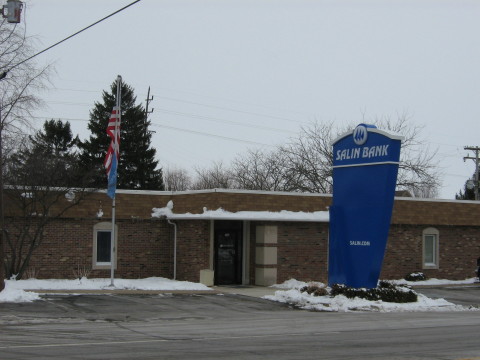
(337, 303)
(296, 284)
(10, 294)
(283, 215)
(433, 281)
(15, 289)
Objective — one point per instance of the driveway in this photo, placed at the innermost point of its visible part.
(461, 295)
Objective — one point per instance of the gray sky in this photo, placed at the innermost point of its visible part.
(227, 75)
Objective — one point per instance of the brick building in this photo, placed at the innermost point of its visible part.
(256, 238)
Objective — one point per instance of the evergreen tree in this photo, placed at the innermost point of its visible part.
(48, 158)
(137, 167)
(468, 192)
(56, 138)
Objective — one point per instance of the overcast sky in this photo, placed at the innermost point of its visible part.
(228, 75)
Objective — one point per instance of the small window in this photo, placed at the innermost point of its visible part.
(104, 240)
(430, 248)
(102, 235)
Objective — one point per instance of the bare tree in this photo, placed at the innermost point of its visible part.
(215, 177)
(176, 179)
(305, 163)
(418, 169)
(20, 84)
(24, 80)
(309, 158)
(261, 170)
(43, 185)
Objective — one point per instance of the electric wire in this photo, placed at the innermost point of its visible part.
(178, 129)
(71, 36)
(205, 105)
(209, 118)
(229, 109)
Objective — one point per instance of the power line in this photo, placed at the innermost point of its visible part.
(59, 118)
(71, 36)
(230, 109)
(68, 103)
(209, 118)
(213, 135)
(194, 116)
(206, 105)
(175, 129)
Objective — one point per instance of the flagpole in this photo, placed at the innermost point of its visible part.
(112, 238)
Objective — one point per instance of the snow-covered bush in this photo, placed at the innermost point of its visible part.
(314, 290)
(385, 291)
(416, 276)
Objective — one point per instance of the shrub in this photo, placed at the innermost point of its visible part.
(415, 276)
(386, 291)
(314, 290)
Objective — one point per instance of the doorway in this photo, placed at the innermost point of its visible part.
(228, 236)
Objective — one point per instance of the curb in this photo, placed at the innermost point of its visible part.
(124, 292)
(445, 286)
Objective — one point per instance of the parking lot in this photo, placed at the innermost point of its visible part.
(229, 326)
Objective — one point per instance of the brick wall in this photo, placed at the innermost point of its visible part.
(144, 249)
(66, 245)
(145, 245)
(139, 205)
(459, 248)
(193, 249)
(302, 250)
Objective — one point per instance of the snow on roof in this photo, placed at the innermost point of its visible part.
(220, 214)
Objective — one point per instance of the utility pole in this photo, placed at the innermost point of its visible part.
(475, 149)
(146, 109)
(14, 10)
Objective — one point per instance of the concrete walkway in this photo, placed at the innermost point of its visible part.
(252, 291)
(243, 290)
(246, 290)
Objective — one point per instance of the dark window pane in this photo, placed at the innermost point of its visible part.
(430, 250)
(103, 246)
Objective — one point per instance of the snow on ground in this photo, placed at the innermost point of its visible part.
(15, 290)
(290, 294)
(434, 281)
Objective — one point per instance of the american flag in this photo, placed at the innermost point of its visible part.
(113, 153)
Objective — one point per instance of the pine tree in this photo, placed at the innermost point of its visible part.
(55, 138)
(468, 192)
(48, 158)
(137, 167)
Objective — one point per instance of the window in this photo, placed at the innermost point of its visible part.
(102, 234)
(430, 248)
(103, 247)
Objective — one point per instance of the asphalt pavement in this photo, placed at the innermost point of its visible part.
(222, 325)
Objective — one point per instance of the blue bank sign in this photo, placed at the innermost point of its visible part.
(365, 167)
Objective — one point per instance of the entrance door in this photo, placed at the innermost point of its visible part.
(228, 252)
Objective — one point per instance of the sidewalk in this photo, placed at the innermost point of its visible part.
(252, 291)
(246, 290)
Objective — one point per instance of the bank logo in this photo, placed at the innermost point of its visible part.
(360, 135)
